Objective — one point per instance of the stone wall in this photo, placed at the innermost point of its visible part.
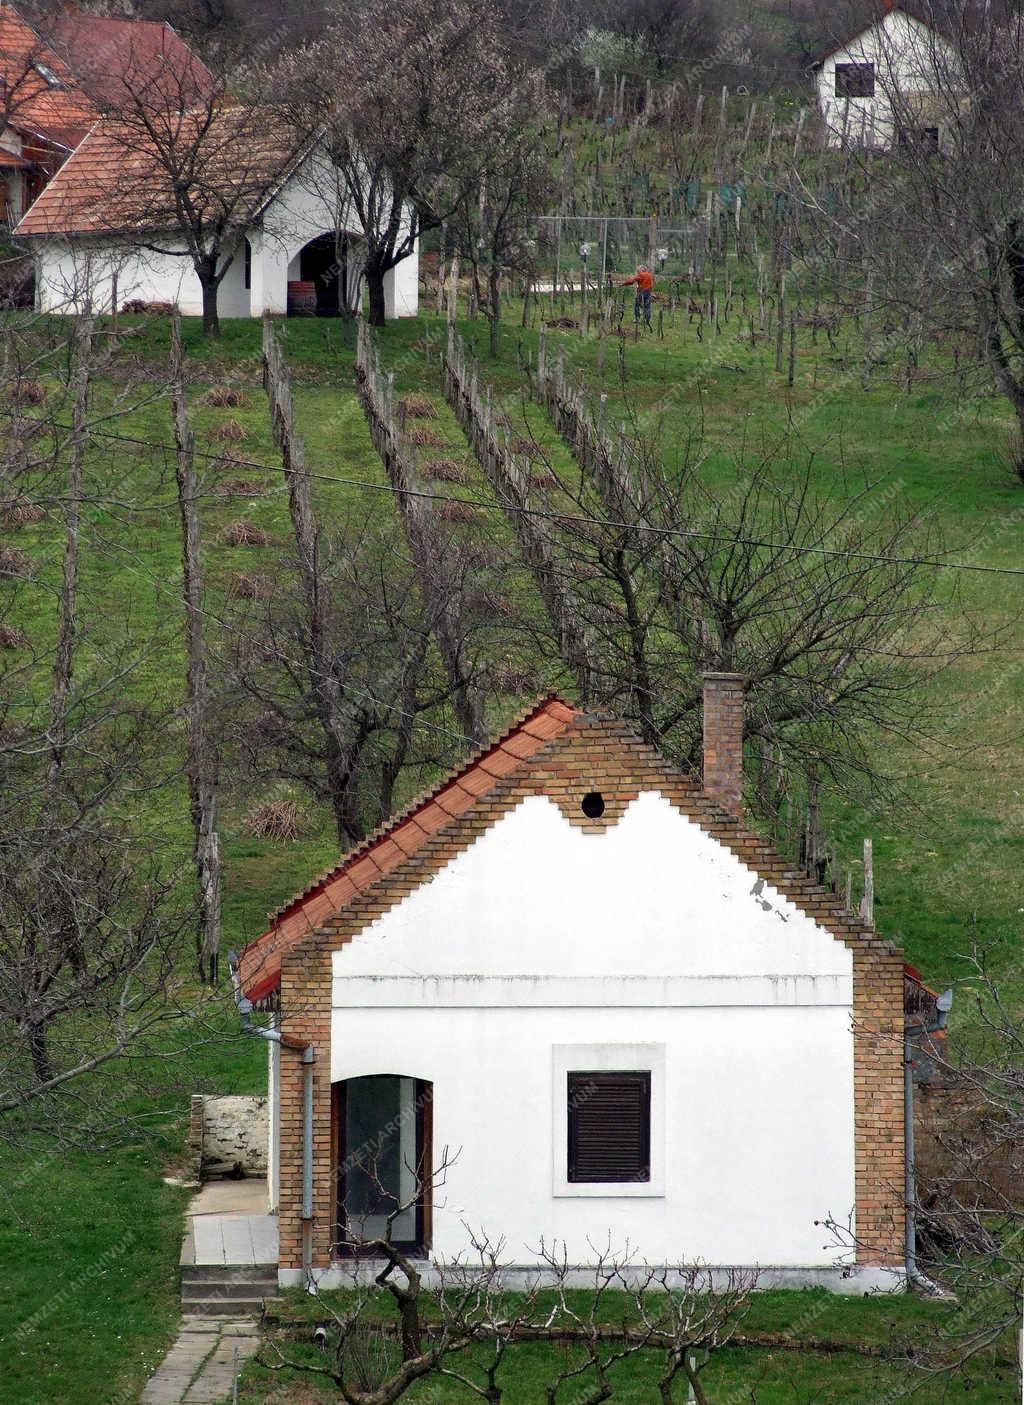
(229, 1135)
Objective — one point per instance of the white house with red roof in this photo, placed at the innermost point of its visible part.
(569, 994)
(99, 216)
(874, 87)
(105, 227)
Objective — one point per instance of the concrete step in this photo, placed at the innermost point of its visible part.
(225, 1307)
(194, 1292)
(216, 1273)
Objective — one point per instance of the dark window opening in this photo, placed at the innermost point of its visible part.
(609, 1127)
(926, 138)
(248, 264)
(384, 1161)
(593, 805)
(855, 80)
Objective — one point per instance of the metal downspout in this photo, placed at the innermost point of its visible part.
(914, 1274)
(244, 1006)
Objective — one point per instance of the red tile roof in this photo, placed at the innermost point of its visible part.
(885, 8)
(120, 62)
(119, 181)
(387, 847)
(40, 92)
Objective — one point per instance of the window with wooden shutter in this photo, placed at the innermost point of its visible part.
(609, 1126)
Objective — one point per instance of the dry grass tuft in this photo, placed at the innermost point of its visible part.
(489, 602)
(243, 533)
(445, 471)
(479, 554)
(421, 435)
(249, 585)
(231, 432)
(225, 397)
(512, 677)
(418, 407)
(241, 488)
(28, 392)
(458, 512)
(274, 819)
(16, 564)
(22, 514)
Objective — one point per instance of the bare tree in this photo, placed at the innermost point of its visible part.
(625, 1308)
(493, 224)
(408, 132)
(91, 915)
(340, 666)
(193, 164)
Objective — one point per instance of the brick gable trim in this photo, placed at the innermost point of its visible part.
(399, 836)
(593, 752)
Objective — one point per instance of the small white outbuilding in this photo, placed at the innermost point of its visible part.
(573, 984)
(877, 86)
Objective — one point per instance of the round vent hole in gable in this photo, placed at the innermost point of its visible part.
(593, 805)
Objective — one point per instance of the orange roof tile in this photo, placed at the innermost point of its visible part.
(386, 848)
(121, 180)
(120, 62)
(40, 92)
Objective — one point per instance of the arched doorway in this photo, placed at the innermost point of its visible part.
(324, 264)
(384, 1161)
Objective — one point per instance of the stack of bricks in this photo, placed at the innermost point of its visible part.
(594, 753)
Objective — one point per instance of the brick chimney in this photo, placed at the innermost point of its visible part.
(723, 739)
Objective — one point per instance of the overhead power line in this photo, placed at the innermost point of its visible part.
(584, 519)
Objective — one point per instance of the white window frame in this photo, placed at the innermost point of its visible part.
(606, 1058)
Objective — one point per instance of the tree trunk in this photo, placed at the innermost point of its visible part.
(494, 296)
(375, 290)
(40, 1054)
(211, 317)
(201, 762)
(68, 609)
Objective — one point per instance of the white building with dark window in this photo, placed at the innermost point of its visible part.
(568, 994)
(878, 85)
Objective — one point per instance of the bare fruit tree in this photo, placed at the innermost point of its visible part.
(410, 129)
(465, 1318)
(493, 224)
(90, 914)
(188, 166)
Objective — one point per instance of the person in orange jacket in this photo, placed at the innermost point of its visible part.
(644, 280)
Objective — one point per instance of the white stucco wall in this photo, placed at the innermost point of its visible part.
(909, 58)
(542, 936)
(74, 274)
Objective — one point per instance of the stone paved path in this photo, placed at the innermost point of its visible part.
(199, 1369)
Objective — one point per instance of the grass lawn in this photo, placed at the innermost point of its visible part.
(89, 1240)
